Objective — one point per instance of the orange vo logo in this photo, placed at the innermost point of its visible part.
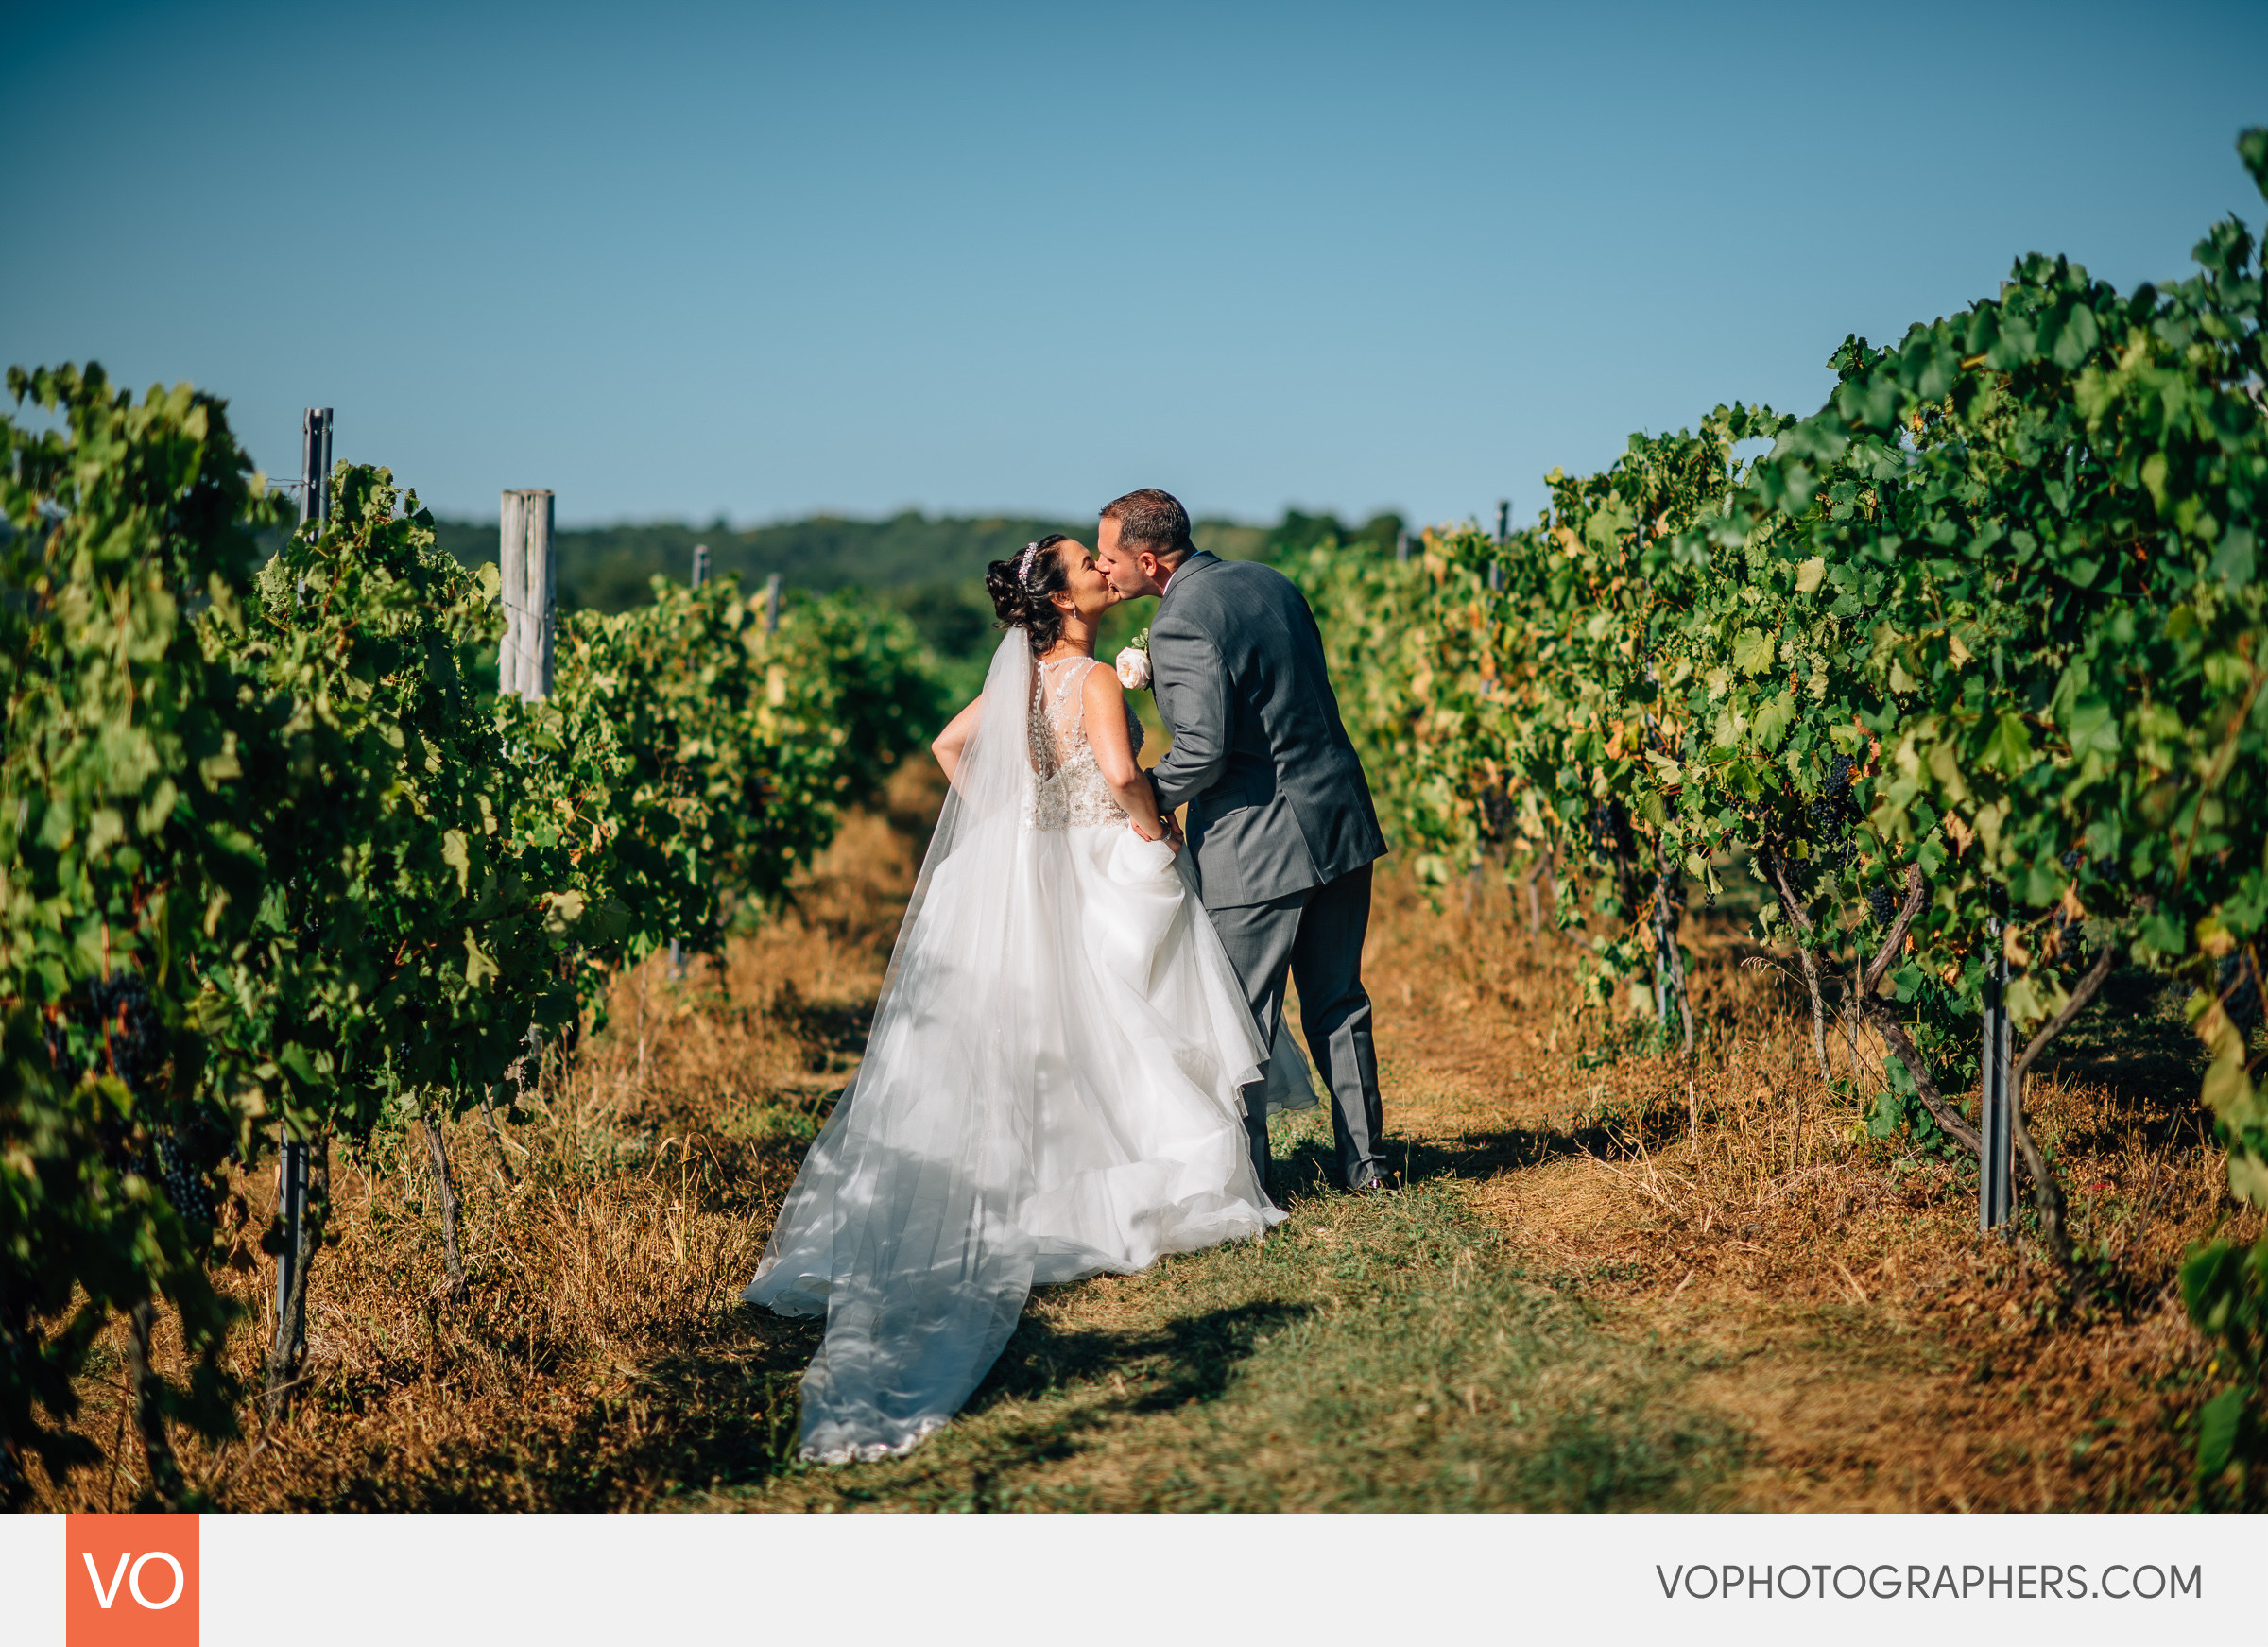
(131, 1581)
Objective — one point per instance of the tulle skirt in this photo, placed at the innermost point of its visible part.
(1051, 1090)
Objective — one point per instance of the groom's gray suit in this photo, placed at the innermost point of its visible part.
(1280, 826)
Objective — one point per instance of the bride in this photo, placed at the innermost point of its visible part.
(1051, 1086)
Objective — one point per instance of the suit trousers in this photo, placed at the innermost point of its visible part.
(1316, 937)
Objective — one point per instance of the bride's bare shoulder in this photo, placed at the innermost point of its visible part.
(1101, 688)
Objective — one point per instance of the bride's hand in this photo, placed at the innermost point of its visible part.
(1160, 830)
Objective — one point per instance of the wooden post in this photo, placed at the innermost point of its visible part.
(1401, 548)
(700, 564)
(529, 593)
(1503, 530)
(771, 604)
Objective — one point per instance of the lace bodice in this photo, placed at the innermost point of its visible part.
(1070, 788)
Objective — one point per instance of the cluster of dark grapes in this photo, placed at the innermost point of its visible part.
(1833, 816)
(1883, 904)
(59, 1056)
(118, 1025)
(133, 1034)
(1496, 814)
(122, 1148)
(2239, 988)
(182, 1173)
(1603, 830)
(119, 1031)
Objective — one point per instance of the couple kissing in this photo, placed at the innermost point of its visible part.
(1081, 1035)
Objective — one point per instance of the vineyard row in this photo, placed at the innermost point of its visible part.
(279, 864)
(1969, 665)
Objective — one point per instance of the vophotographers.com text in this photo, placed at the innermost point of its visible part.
(1891, 1581)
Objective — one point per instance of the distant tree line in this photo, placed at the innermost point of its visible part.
(930, 568)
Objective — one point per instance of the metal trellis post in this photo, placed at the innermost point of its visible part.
(291, 1209)
(291, 1160)
(1996, 1173)
(314, 466)
(677, 947)
(1662, 942)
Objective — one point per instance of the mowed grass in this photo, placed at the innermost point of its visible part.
(1385, 1352)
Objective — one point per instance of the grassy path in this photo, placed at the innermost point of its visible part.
(1383, 1353)
(1417, 1350)
(1550, 1315)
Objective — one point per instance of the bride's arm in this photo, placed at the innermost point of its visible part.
(1105, 708)
(948, 745)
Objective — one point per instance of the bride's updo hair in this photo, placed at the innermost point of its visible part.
(1020, 588)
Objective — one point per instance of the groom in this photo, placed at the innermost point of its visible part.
(1280, 825)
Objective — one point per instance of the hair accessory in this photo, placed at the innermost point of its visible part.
(1023, 565)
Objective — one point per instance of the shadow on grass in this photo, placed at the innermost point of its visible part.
(828, 1033)
(1308, 1165)
(726, 1417)
(1190, 1359)
(719, 1416)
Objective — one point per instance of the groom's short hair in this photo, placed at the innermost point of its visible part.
(1152, 519)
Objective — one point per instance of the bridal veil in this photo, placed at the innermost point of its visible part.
(1050, 1091)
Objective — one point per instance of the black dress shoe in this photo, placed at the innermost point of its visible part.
(1375, 1184)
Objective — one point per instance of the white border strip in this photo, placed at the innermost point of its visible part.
(1154, 1581)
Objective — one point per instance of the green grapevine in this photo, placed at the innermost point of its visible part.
(273, 857)
(124, 854)
(1971, 664)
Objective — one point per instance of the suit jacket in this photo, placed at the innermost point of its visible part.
(1277, 798)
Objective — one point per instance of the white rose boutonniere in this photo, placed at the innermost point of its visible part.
(1134, 663)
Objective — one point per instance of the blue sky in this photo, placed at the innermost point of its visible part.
(678, 261)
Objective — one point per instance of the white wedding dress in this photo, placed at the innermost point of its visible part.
(1050, 1090)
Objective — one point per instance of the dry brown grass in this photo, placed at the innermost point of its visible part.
(1881, 1354)
(601, 1242)
(1808, 1309)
